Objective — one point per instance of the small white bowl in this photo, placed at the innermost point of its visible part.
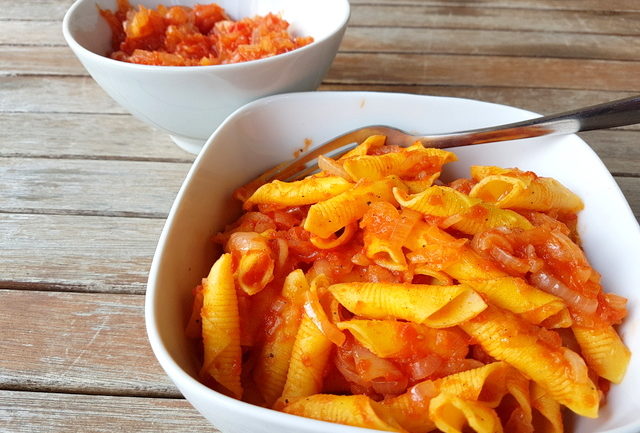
(190, 102)
(268, 131)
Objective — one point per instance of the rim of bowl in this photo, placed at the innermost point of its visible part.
(76, 46)
(177, 374)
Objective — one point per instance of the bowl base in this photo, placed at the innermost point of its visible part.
(191, 145)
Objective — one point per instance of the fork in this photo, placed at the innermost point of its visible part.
(608, 115)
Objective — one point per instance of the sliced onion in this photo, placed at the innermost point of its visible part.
(390, 387)
(550, 284)
(489, 239)
(346, 366)
(423, 391)
(314, 310)
(509, 261)
(283, 253)
(332, 167)
(576, 363)
(243, 242)
(425, 367)
(564, 249)
(616, 302)
(371, 367)
(449, 221)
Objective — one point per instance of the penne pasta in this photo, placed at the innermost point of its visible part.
(373, 295)
(221, 327)
(329, 216)
(270, 371)
(466, 214)
(557, 369)
(307, 191)
(604, 351)
(515, 189)
(354, 410)
(435, 306)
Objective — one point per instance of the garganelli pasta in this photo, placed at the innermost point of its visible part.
(373, 294)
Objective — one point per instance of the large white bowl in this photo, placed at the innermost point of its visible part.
(268, 131)
(190, 102)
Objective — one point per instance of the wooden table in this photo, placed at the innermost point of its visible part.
(85, 187)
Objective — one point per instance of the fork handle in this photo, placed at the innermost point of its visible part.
(608, 115)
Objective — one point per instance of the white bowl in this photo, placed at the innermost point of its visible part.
(190, 102)
(268, 131)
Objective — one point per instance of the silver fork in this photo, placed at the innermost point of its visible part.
(608, 115)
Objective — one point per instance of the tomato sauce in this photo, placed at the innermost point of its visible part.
(199, 36)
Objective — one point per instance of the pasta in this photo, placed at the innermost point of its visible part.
(375, 295)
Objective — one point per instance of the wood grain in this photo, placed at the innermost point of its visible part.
(549, 14)
(35, 412)
(80, 343)
(82, 95)
(83, 135)
(388, 39)
(490, 42)
(76, 253)
(85, 187)
(596, 5)
(485, 71)
(89, 187)
(21, 33)
(478, 16)
(44, 94)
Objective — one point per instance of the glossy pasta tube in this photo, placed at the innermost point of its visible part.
(435, 306)
(427, 161)
(354, 410)
(392, 338)
(515, 295)
(307, 191)
(270, 371)
(604, 351)
(512, 188)
(487, 384)
(471, 214)
(309, 357)
(221, 327)
(327, 217)
(451, 414)
(547, 409)
(557, 369)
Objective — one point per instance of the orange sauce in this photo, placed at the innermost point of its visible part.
(198, 36)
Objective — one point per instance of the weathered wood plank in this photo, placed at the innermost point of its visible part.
(539, 100)
(94, 187)
(83, 95)
(77, 186)
(596, 5)
(78, 342)
(630, 187)
(21, 33)
(41, 10)
(478, 16)
(388, 39)
(485, 71)
(45, 60)
(618, 149)
(391, 68)
(101, 254)
(80, 253)
(46, 10)
(36, 94)
(79, 135)
(418, 69)
(488, 42)
(31, 412)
